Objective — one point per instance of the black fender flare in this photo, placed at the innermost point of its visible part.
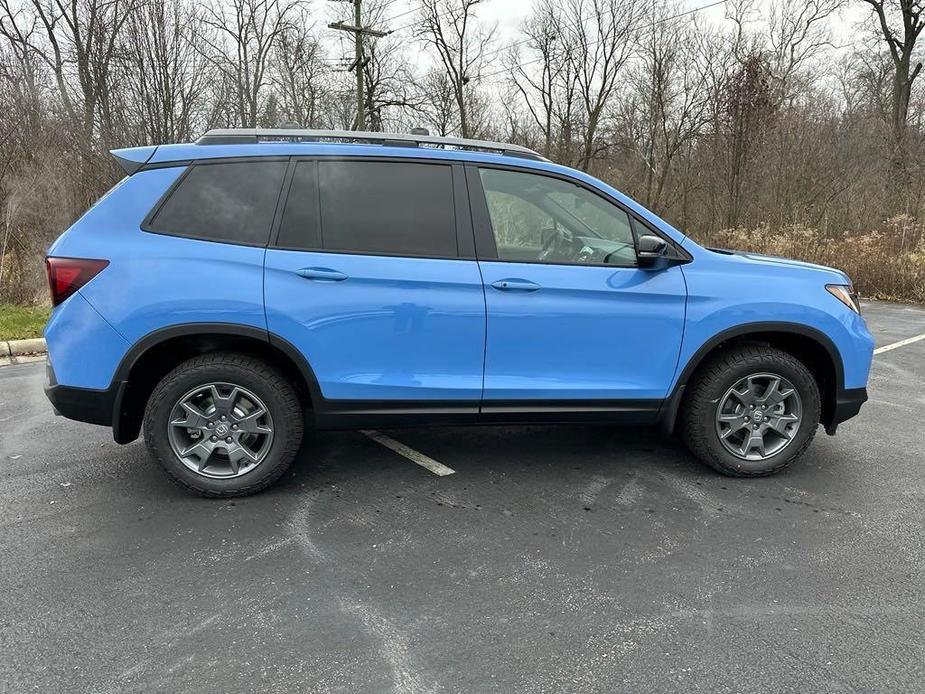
(669, 410)
(125, 428)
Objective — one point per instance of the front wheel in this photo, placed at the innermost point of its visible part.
(751, 411)
(224, 424)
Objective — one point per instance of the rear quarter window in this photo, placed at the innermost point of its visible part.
(232, 202)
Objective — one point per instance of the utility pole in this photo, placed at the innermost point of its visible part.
(359, 60)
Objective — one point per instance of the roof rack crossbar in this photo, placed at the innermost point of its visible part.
(229, 136)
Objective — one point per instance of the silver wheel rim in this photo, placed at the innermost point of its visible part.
(759, 416)
(220, 430)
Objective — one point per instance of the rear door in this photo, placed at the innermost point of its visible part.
(571, 317)
(372, 276)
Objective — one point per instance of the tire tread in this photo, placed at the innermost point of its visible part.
(292, 410)
(697, 406)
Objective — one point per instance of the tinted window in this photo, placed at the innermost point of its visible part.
(227, 202)
(374, 207)
(300, 227)
(539, 218)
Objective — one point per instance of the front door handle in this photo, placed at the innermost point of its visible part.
(321, 274)
(515, 285)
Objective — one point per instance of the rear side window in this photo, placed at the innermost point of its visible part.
(393, 208)
(233, 202)
(301, 225)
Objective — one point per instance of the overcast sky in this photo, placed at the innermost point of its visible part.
(508, 15)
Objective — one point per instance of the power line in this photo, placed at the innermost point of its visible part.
(388, 3)
(399, 15)
(525, 41)
(594, 43)
(384, 5)
(416, 9)
(359, 61)
(582, 20)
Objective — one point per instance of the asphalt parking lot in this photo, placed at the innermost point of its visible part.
(553, 560)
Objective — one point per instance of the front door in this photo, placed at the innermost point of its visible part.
(570, 315)
(365, 278)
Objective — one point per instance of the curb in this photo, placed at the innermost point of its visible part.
(20, 348)
(21, 351)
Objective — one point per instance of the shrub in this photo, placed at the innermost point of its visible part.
(882, 264)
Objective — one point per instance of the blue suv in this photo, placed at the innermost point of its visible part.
(229, 293)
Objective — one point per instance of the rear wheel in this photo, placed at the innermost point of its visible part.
(224, 424)
(751, 411)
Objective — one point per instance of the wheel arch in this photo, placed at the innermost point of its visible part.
(155, 354)
(813, 347)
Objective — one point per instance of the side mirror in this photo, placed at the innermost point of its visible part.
(650, 250)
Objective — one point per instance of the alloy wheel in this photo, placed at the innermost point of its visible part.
(759, 416)
(220, 430)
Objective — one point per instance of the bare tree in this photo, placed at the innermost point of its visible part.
(166, 77)
(461, 44)
(77, 38)
(600, 35)
(389, 83)
(901, 43)
(239, 37)
(299, 72)
(19, 68)
(747, 108)
(669, 104)
(539, 86)
(750, 121)
(798, 30)
(387, 73)
(437, 99)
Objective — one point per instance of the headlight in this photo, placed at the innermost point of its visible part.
(845, 293)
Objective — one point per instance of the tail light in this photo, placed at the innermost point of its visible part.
(67, 275)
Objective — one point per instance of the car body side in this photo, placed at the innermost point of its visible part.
(159, 288)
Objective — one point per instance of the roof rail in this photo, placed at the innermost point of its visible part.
(235, 136)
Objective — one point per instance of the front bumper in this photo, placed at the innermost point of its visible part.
(847, 404)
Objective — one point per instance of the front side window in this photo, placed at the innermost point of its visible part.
(232, 201)
(391, 208)
(542, 219)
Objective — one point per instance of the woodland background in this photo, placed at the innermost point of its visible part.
(774, 128)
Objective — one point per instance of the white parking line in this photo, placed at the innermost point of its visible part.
(411, 454)
(901, 343)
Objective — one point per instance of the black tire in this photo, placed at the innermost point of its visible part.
(715, 378)
(243, 370)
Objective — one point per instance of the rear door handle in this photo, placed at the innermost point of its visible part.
(515, 285)
(321, 274)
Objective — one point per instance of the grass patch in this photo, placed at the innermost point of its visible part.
(21, 322)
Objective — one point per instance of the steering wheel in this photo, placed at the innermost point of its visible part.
(555, 235)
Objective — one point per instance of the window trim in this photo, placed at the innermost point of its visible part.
(153, 212)
(677, 254)
(465, 238)
(486, 246)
